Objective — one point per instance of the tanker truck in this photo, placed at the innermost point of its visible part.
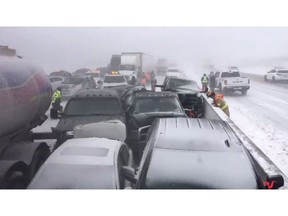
(25, 96)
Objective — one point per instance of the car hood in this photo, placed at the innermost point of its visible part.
(68, 123)
(143, 119)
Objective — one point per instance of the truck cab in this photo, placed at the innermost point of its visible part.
(231, 80)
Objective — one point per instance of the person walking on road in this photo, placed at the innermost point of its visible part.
(56, 103)
(212, 81)
(204, 81)
(219, 101)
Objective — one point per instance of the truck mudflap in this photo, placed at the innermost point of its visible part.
(13, 174)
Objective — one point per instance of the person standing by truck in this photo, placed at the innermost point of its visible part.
(219, 101)
(212, 81)
(204, 81)
(56, 103)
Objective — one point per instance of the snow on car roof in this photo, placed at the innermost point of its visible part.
(86, 151)
(196, 135)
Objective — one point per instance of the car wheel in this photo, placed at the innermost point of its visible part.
(244, 92)
(265, 78)
(273, 79)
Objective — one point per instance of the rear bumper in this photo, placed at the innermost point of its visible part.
(236, 88)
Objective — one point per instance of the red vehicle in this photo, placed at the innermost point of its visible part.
(25, 96)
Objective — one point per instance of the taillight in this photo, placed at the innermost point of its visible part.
(225, 82)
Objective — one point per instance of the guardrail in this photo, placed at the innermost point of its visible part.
(269, 167)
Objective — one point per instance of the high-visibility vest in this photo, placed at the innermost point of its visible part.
(220, 102)
(205, 79)
(56, 95)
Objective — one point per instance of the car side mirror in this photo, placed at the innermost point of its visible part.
(274, 182)
(129, 174)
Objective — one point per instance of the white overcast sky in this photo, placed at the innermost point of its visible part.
(69, 48)
(195, 37)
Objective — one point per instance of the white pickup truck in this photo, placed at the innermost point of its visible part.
(232, 81)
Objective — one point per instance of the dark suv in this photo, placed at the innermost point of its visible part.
(145, 107)
(182, 153)
(89, 106)
(189, 94)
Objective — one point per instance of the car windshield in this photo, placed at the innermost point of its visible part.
(127, 67)
(157, 104)
(173, 70)
(73, 80)
(96, 75)
(230, 74)
(114, 79)
(183, 84)
(93, 106)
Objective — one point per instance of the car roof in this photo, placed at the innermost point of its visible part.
(147, 94)
(197, 153)
(95, 93)
(83, 163)
(193, 134)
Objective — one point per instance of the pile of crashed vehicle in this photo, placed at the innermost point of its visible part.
(129, 137)
(120, 136)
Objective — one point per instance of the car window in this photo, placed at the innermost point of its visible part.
(55, 79)
(157, 104)
(114, 79)
(184, 84)
(283, 71)
(95, 106)
(173, 70)
(127, 67)
(230, 74)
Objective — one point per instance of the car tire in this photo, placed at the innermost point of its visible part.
(273, 79)
(244, 92)
(265, 78)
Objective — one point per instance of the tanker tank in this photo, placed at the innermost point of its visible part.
(25, 93)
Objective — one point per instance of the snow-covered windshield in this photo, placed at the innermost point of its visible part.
(114, 79)
(97, 106)
(183, 84)
(156, 104)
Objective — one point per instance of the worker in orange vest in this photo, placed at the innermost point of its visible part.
(219, 101)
